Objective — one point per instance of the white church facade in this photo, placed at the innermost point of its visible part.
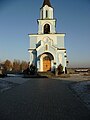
(47, 49)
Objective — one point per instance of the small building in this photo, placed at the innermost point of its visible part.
(47, 50)
(82, 70)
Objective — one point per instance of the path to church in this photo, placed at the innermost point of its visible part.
(42, 99)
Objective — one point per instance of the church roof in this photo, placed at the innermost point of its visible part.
(46, 2)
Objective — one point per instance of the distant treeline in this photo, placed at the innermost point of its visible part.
(15, 66)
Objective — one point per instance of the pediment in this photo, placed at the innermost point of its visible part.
(47, 40)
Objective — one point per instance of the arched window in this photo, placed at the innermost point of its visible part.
(46, 14)
(42, 14)
(46, 29)
(46, 47)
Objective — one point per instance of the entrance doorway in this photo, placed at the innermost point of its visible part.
(46, 63)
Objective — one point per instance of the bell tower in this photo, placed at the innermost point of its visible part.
(47, 49)
(46, 23)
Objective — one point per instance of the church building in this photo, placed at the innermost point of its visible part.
(47, 49)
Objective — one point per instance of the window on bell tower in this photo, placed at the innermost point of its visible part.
(46, 13)
(46, 29)
(42, 14)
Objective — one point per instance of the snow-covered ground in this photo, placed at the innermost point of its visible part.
(6, 85)
(11, 81)
(83, 91)
(15, 79)
(80, 83)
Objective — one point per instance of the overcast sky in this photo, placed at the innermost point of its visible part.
(18, 18)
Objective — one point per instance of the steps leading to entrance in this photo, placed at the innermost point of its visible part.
(47, 74)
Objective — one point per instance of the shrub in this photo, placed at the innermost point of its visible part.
(26, 71)
(60, 69)
(32, 69)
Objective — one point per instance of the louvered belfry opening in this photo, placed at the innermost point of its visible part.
(46, 29)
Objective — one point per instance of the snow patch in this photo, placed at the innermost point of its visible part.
(83, 91)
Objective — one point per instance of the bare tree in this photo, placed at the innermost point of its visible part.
(16, 65)
(23, 65)
(8, 65)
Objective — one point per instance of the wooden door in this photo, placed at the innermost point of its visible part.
(46, 63)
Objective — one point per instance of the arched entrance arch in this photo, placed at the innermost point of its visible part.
(46, 60)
